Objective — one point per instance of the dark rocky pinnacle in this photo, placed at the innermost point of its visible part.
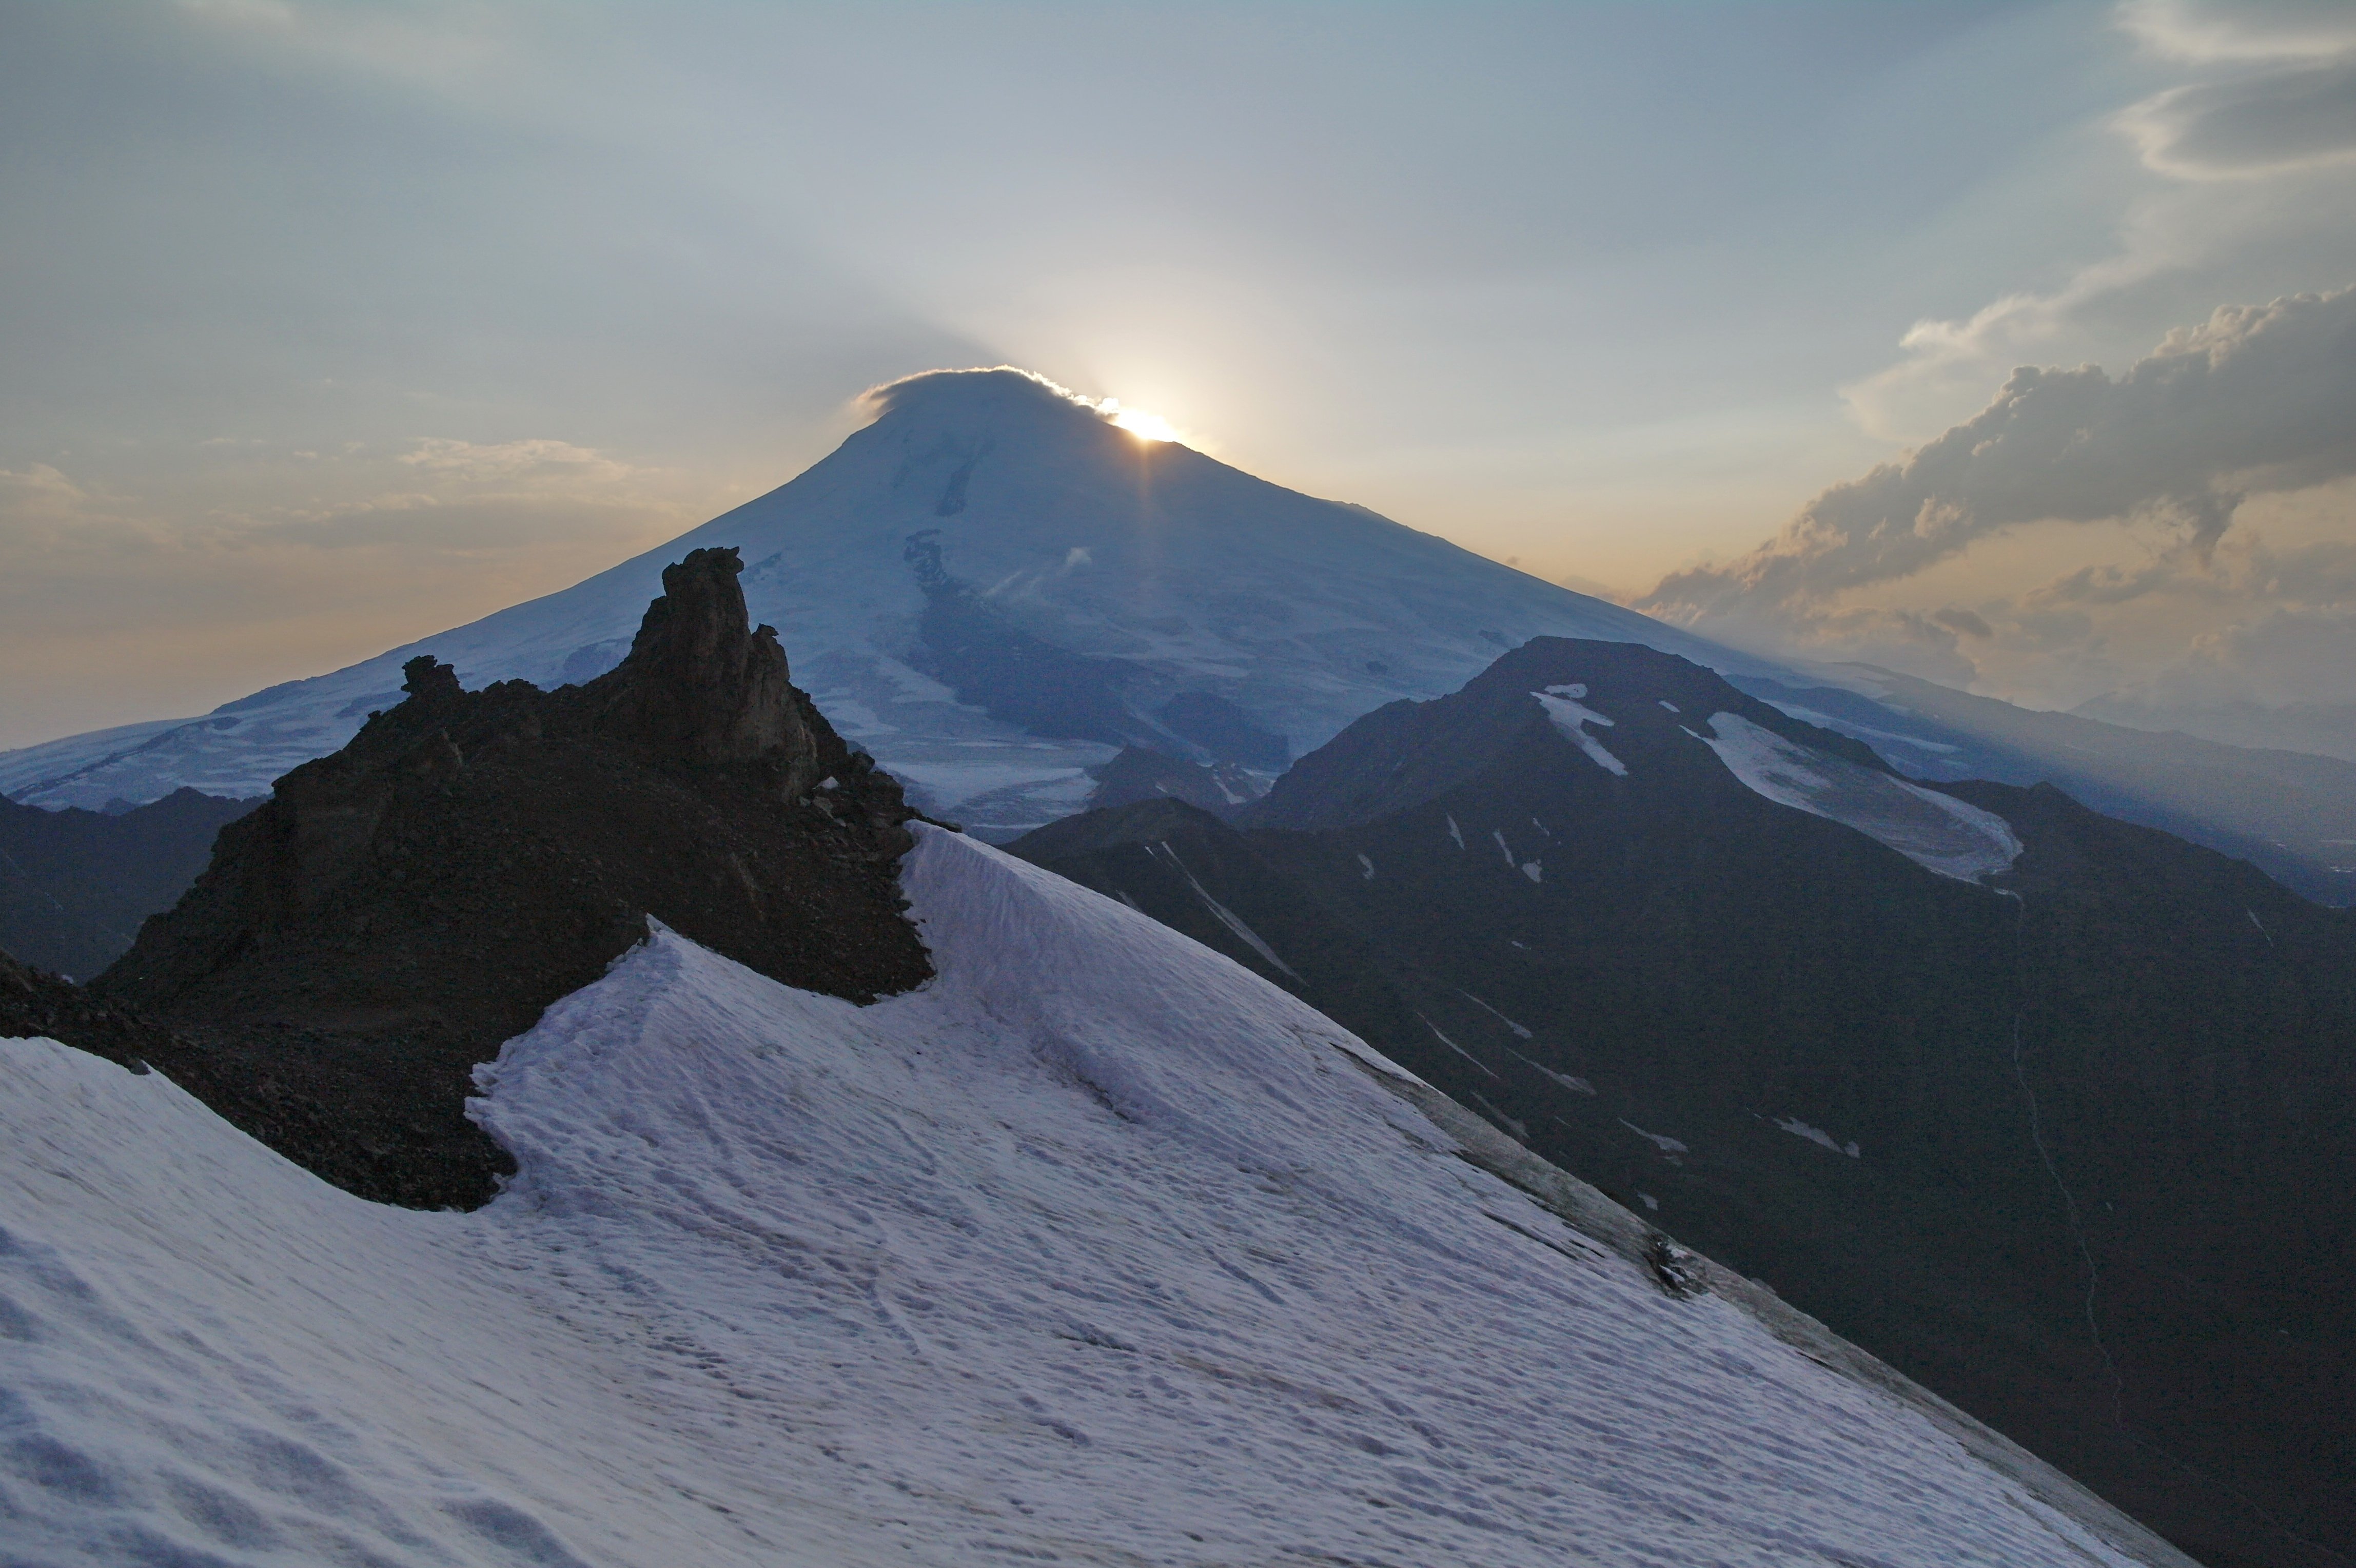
(397, 909)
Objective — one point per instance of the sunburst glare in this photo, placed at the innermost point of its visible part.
(1138, 423)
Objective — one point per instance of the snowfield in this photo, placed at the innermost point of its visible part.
(1096, 1250)
(1936, 831)
(1571, 719)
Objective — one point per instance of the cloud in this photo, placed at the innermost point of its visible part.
(2205, 32)
(130, 594)
(1013, 386)
(2111, 585)
(1928, 645)
(2252, 158)
(2187, 527)
(1011, 383)
(2274, 123)
(1938, 358)
(515, 459)
(62, 537)
(39, 491)
(1962, 622)
(2257, 399)
(44, 514)
(2286, 655)
(2318, 575)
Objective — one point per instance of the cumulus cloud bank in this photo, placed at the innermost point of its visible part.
(2257, 398)
(2188, 524)
(2252, 157)
(2184, 534)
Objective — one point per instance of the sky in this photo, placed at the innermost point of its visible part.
(330, 326)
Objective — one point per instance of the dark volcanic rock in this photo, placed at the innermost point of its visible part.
(397, 909)
(35, 1002)
(370, 1121)
(2074, 1148)
(75, 885)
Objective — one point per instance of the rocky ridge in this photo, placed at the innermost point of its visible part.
(399, 908)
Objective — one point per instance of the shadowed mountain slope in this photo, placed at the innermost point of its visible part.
(1141, 774)
(2054, 1112)
(74, 885)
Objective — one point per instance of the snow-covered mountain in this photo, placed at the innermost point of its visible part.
(1096, 1249)
(991, 589)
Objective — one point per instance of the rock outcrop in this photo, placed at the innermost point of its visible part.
(399, 908)
(35, 1002)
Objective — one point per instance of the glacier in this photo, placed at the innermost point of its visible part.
(1095, 1249)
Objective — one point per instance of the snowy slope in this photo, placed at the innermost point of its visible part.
(1098, 1250)
(1935, 831)
(1198, 580)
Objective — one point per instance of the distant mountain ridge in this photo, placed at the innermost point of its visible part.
(75, 885)
(2291, 813)
(2325, 729)
(993, 591)
(1922, 1067)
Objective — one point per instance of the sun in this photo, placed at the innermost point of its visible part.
(1137, 422)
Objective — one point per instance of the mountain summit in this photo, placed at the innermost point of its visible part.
(993, 588)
